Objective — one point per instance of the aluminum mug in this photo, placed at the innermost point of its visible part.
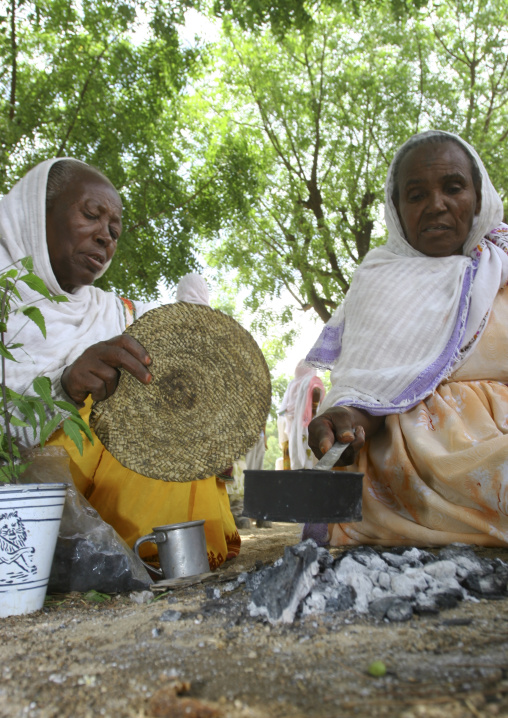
(181, 548)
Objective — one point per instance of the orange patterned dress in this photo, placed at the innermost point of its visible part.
(439, 472)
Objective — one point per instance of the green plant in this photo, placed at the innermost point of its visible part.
(30, 410)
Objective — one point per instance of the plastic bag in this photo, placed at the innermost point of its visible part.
(89, 553)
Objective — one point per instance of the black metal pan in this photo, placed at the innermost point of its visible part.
(316, 495)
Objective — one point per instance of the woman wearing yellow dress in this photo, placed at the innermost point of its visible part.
(67, 216)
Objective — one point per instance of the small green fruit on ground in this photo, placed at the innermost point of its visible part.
(377, 669)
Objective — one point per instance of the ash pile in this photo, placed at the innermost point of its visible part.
(386, 585)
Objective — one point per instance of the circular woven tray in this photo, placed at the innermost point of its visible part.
(206, 405)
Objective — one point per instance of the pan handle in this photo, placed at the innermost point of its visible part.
(331, 457)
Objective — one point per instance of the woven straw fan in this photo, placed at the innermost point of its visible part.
(206, 405)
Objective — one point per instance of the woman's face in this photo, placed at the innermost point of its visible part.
(437, 198)
(82, 229)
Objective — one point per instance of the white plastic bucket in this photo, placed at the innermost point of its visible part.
(29, 522)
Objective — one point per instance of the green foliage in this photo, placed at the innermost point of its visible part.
(31, 411)
(265, 153)
(285, 15)
(318, 115)
(273, 451)
(76, 80)
(94, 596)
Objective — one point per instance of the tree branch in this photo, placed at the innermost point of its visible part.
(14, 49)
(189, 199)
(82, 94)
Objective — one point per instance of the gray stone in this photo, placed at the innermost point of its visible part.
(378, 608)
(170, 615)
(399, 611)
(447, 599)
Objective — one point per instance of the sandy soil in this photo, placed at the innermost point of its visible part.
(118, 658)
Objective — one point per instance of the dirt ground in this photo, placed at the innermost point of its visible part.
(116, 658)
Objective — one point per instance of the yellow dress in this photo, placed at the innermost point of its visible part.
(134, 504)
(439, 472)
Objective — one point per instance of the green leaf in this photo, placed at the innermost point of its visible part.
(36, 283)
(27, 263)
(49, 428)
(5, 352)
(40, 411)
(25, 407)
(11, 273)
(67, 406)
(15, 291)
(12, 395)
(71, 430)
(59, 298)
(17, 422)
(42, 387)
(35, 314)
(96, 597)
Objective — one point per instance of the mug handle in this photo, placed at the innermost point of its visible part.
(144, 539)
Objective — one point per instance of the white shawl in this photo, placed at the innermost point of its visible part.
(91, 315)
(401, 328)
(193, 288)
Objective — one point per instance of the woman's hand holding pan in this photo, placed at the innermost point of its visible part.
(344, 424)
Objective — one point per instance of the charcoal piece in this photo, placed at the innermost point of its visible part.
(398, 550)
(395, 560)
(466, 560)
(447, 599)
(408, 557)
(399, 611)
(500, 568)
(253, 579)
(81, 563)
(368, 557)
(456, 549)
(342, 599)
(444, 572)
(170, 615)
(424, 605)
(457, 622)
(492, 585)
(325, 558)
(89, 554)
(404, 585)
(325, 583)
(415, 557)
(212, 592)
(279, 594)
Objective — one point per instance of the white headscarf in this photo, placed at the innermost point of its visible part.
(90, 315)
(192, 288)
(400, 330)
